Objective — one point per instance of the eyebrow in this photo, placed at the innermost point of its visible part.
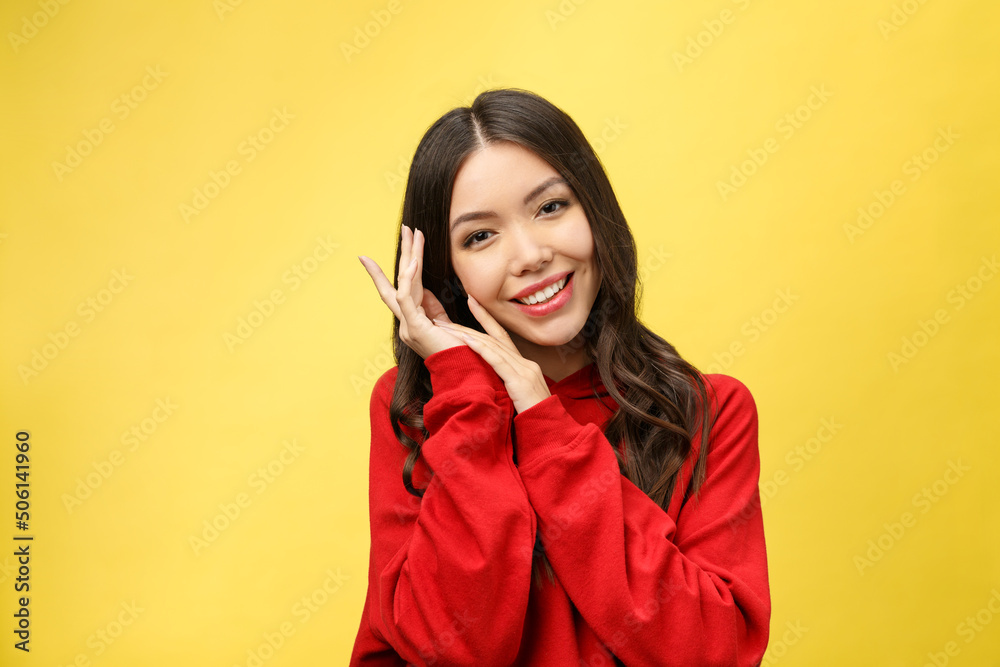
(479, 215)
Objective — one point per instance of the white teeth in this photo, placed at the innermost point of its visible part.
(545, 294)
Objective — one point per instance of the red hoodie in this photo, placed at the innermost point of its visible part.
(450, 581)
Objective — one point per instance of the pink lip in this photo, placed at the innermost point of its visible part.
(531, 289)
(552, 305)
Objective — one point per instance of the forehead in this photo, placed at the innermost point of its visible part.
(496, 173)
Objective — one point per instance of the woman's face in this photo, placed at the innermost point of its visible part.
(515, 228)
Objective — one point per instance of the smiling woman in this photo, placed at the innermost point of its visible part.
(551, 483)
(521, 246)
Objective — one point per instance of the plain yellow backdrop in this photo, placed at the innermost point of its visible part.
(191, 342)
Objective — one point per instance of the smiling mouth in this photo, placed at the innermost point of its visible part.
(545, 295)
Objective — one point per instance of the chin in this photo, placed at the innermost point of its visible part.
(550, 339)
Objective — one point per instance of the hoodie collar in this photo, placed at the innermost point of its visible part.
(578, 383)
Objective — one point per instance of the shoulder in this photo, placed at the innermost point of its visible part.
(384, 437)
(734, 417)
(384, 386)
(727, 393)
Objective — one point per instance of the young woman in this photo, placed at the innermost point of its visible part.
(551, 483)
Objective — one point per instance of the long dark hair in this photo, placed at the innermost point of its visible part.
(662, 399)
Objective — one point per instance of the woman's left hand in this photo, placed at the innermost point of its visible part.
(523, 378)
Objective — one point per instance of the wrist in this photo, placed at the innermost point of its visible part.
(543, 430)
(460, 365)
(527, 404)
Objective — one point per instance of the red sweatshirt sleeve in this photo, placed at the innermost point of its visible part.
(449, 573)
(655, 592)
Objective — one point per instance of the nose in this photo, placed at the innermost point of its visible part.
(530, 249)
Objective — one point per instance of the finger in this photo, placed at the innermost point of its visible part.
(492, 352)
(417, 252)
(404, 295)
(456, 328)
(385, 289)
(405, 244)
(490, 324)
(508, 363)
(433, 308)
(509, 355)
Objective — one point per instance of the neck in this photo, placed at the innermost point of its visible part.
(556, 361)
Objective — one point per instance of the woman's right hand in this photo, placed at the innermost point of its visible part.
(413, 305)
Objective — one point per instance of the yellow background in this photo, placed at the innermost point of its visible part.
(669, 131)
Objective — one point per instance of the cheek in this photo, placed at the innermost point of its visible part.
(583, 242)
(485, 291)
(584, 251)
(477, 280)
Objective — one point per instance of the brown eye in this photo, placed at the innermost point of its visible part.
(551, 207)
(475, 238)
